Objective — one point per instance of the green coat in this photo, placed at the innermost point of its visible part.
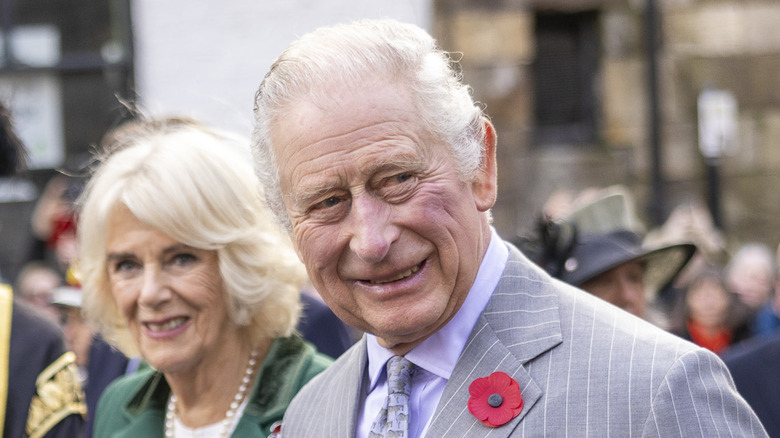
(134, 406)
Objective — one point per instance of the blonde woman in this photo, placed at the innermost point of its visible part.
(181, 265)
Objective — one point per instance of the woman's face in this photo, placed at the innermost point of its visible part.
(170, 294)
(708, 302)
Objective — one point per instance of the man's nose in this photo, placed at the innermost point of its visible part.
(372, 230)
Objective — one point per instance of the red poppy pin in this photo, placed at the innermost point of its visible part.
(495, 399)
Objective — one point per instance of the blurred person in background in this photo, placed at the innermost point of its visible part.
(767, 319)
(181, 264)
(704, 313)
(53, 222)
(36, 283)
(40, 394)
(689, 221)
(750, 273)
(595, 243)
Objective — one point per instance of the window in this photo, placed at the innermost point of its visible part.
(564, 73)
(64, 67)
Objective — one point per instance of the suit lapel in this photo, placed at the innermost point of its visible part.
(520, 322)
(347, 387)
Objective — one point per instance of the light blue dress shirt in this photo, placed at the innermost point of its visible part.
(436, 356)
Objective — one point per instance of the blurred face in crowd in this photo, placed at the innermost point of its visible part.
(78, 336)
(36, 288)
(390, 234)
(752, 282)
(708, 302)
(622, 286)
(170, 295)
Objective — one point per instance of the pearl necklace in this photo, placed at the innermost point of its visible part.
(227, 423)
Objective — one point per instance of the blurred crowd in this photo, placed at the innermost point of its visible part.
(682, 276)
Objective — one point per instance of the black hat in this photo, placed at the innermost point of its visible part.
(596, 253)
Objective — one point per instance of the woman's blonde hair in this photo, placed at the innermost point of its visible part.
(195, 184)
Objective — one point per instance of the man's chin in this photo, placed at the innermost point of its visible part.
(402, 338)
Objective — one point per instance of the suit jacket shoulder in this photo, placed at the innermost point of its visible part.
(587, 368)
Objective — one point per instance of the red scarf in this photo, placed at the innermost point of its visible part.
(715, 342)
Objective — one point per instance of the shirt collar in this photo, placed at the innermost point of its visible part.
(439, 353)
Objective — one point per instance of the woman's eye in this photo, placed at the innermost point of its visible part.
(183, 259)
(124, 266)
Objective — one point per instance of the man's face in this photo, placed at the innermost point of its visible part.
(390, 235)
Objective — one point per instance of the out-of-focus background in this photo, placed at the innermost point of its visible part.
(678, 100)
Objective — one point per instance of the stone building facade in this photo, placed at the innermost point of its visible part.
(566, 84)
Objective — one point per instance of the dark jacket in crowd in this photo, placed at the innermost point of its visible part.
(37, 350)
(755, 367)
(320, 326)
(105, 365)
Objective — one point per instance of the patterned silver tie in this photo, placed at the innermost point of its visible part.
(393, 419)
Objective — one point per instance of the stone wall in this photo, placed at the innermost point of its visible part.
(732, 45)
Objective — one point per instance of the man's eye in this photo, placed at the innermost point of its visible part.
(397, 187)
(328, 203)
(403, 177)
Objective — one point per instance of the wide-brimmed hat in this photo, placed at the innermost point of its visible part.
(596, 253)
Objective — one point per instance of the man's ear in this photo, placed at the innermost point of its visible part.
(485, 185)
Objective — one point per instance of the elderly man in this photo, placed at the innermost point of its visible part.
(375, 157)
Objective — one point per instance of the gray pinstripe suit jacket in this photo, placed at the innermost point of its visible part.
(585, 368)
